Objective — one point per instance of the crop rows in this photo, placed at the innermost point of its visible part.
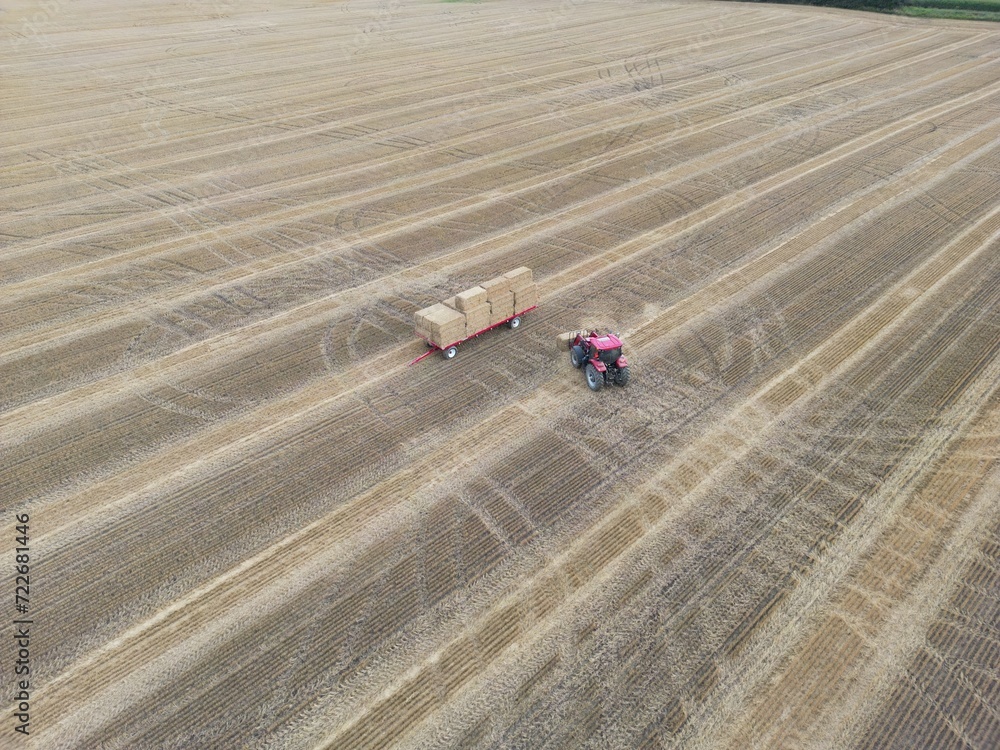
(255, 525)
(807, 488)
(340, 271)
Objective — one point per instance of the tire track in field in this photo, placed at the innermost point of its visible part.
(702, 681)
(947, 688)
(379, 100)
(463, 257)
(703, 297)
(715, 448)
(516, 152)
(326, 544)
(312, 548)
(880, 559)
(711, 291)
(201, 658)
(349, 123)
(412, 73)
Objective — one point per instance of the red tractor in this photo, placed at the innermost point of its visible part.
(600, 356)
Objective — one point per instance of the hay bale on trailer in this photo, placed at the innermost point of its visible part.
(519, 279)
(501, 308)
(525, 298)
(440, 325)
(477, 319)
(481, 308)
(496, 288)
(470, 299)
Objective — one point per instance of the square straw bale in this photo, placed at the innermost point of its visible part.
(477, 319)
(497, 287)
(520, 278)
(501, 308)
(470, 298)
(527, 297)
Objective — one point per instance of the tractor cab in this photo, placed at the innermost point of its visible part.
(610, 356)
(607, 348)
(600, 357)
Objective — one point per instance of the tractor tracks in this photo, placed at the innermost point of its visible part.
(258, 525)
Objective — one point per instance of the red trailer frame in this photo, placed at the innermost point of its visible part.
(432, 347)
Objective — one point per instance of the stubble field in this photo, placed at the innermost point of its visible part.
(253, 525)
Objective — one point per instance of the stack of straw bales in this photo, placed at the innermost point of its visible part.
(476, 307)
(523, 288)
(473, 310)
(500, 297)
(440, 324)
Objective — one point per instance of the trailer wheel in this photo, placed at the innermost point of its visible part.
(622, 376)
(594, 379)
(450, 352)
(576, 356)
(514, 323)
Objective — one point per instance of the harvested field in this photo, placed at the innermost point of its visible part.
(251, 524)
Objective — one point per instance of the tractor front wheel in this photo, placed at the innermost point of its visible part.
(622, 376)
(576, 356)
(450, 352)
(594, 379)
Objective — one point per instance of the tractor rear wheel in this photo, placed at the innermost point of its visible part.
(450, 352)
(577, 357)
(622, 376)
(594, 379)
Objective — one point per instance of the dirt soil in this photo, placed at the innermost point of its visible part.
(251, 524)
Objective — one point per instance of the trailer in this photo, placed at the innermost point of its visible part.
(451, 350)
